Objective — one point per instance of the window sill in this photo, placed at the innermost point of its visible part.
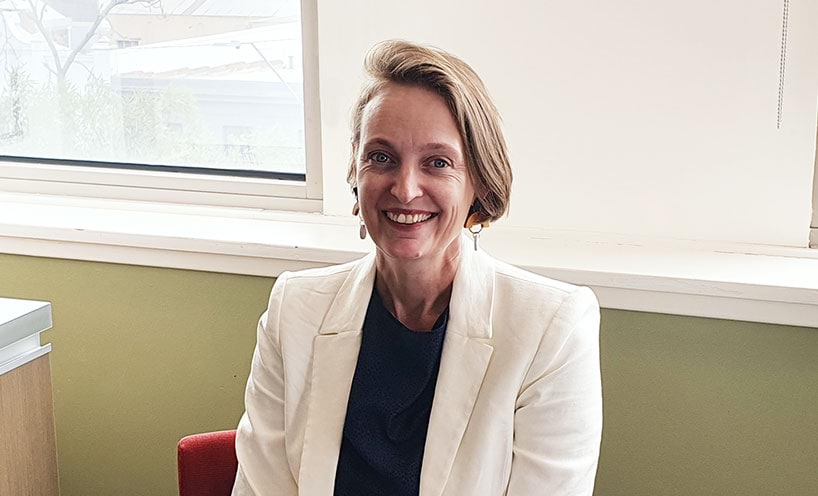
(729, 281)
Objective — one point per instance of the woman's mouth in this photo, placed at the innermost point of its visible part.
(409, 219)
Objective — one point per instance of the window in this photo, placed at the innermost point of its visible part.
(125, 92)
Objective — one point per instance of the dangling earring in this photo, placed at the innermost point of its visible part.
(362, 229)
(475, 228)
(356, 210)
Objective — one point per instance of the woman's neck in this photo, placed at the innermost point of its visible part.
(418, 291)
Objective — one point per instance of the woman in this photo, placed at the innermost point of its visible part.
(426, 367)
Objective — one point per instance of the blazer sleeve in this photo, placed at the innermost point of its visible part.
(260, 439)
(558, 415)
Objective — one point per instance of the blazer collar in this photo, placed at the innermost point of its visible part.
(469, 310)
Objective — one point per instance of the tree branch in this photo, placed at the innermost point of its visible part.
(90, 34)
(7, 46)
(62, 68)
(39, 23)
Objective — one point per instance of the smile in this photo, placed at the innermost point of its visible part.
(408, 219)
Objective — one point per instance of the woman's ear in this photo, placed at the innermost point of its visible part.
(476, 215)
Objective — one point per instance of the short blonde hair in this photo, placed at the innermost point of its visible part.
(402, 62)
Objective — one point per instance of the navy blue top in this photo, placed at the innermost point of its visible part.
(389, 406)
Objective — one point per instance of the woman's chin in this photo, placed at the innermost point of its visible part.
(403, 249)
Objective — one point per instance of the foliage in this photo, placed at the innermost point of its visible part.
(96, 122)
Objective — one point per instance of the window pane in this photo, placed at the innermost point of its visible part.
(199, 83)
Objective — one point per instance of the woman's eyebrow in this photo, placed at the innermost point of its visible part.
(379, 141)
(442, 147)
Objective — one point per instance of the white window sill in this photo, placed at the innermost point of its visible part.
(740, 282)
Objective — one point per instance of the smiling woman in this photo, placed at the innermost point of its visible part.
(426, 367)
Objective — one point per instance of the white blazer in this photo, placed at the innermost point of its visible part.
(517, 408)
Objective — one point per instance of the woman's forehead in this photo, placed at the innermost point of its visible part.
(405, 98)
(399, 112)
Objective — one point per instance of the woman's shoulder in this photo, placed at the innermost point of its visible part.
(319, 282)
(318, 276)
(541, 308)
(527, 286)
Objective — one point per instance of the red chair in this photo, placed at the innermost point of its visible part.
(207, 464)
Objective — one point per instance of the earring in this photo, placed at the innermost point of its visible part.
(475, 228)
(475, 233)
(356, 210)
(362, 229)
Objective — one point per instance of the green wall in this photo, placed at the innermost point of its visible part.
(143, 356)
(697, 407)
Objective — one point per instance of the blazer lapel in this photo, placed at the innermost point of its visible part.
(334, 357)
(463, 365)
(462, 368)
(334, 360)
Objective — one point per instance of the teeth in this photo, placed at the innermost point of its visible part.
(408, 219)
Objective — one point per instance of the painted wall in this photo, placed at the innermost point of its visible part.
(143, 356)
(647, 118)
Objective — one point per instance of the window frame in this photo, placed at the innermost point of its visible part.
(813, 232)
(107, 181)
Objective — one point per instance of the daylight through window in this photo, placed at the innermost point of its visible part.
(213, 84)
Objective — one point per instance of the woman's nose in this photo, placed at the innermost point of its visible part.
(406, 186)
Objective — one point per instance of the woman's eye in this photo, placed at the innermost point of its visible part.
(379, 157)
(439, 163)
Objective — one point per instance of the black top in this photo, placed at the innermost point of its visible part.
(389, 406)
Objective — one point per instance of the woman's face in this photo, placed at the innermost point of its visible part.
(413, 187)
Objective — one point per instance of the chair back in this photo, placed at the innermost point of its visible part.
(207, 464)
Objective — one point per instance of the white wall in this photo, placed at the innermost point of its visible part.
(654, 118)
